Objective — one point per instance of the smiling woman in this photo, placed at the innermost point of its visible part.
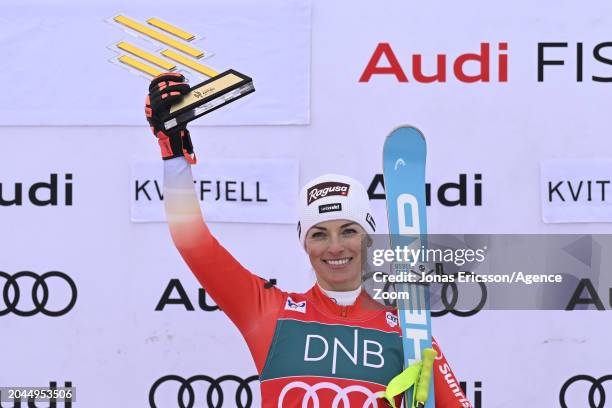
(328, 241)
(335, 215)
(331, 344)
(334, 249)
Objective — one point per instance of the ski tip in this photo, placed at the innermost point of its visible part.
(403, 137)
(405, 134)
(407, 129)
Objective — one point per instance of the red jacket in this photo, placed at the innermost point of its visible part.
(306, 347)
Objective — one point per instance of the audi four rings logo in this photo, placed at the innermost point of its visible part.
(597, 387)
(341, 394)
(451, 304)
(449, 300)
(186, 393)
(12, 293)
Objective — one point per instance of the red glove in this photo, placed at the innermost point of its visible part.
(164, 91)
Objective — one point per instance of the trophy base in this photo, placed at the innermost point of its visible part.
(208, 96)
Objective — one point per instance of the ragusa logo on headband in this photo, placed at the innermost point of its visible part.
(326, 189)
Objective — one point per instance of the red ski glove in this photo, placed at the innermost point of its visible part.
(164, 91)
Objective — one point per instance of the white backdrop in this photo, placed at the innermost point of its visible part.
(114, 343)
(60, 54)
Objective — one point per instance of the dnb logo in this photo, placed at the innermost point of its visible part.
(173, 388)
(26, 293)
(596, 394)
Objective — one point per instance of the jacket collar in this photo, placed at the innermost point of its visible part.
(363, 307)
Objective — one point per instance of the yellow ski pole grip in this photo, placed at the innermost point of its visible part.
(422, 387)
(401, 382)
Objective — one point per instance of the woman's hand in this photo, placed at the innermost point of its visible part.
(164, 91)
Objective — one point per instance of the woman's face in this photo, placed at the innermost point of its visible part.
(334, 249)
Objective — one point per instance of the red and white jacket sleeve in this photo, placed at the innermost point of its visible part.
(448, 392)
(243, 296)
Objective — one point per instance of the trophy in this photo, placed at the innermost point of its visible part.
(213, 93)
(209, 95)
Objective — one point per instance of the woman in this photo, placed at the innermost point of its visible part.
(330, 345)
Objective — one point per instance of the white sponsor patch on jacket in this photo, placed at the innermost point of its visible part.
(295, 306)
(391, 319)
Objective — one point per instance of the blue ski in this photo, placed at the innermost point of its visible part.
(404, 155)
